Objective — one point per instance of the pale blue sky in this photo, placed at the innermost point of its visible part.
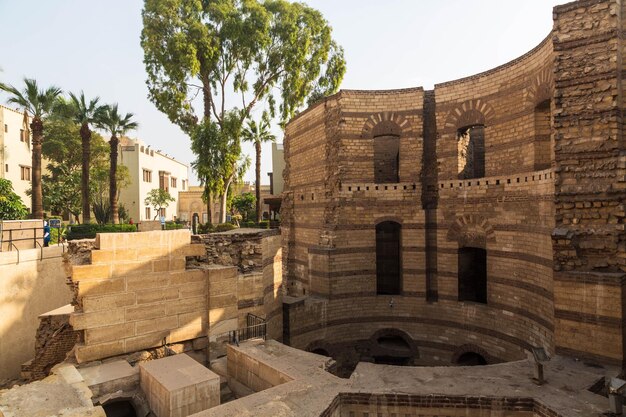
(94, 46)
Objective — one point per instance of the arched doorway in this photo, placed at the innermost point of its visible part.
(471, 359)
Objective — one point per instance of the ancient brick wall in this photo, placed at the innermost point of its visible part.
(546, 208)
(589, 239)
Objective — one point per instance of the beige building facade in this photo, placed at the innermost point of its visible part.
(150, 169)
(15, 151)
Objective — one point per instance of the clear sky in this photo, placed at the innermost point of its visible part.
(94, 46)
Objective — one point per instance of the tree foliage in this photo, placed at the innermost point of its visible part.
(11, 205)
(39, 103)
(213, 52)
(116, 125)
(158, 198)
(244, 205)
(258, 133)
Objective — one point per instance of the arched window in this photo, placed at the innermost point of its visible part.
(388, 262)
(471, 152)
(541, 145)
(473, 275)
(386, 159)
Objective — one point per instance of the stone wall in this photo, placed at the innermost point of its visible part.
(30, 286)
(253, 284)
(590, 181)
(139, 291)
(137, 294)
(548, 209)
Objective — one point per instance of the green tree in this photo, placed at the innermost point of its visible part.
(11, 206)
(38, 103)
(116, 125)
(222, 49)
(244, 204)
(158, 198)
(62, 184)
(85, 113)
(258, 133)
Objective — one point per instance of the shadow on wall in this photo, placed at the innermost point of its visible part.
(35, 285)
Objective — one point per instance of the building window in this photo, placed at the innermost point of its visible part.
(388, 262)
(164, 181)
(162, 212)
(6, 167)
(471, 152)
(541, 146)
(173, 181)
(25, 173)
(386, 159)
(22, 135)
(6, 128)
(147, 175)
(148, 217)
(473, 275)
(184, 184)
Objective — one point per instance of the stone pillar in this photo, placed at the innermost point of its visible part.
(588, 241)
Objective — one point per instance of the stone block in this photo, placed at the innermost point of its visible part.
(188, 276)
(109, 333)
(193, 289)
(187, 305)
(91, 272)
(80, 321)
(158, 324)
(145, 312)
(145, 341)
(222, 327)
(219, 314)
(177, 386)
(141, 282)
(110, 377)
(96, 288)
(191, 326)
(122, 269)
(108, 302)
(100, 351)
(156, 295)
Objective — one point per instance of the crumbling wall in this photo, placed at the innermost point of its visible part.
(54, 340)
(590, 185)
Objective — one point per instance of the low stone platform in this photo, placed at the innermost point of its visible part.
(383, 390)
(177, 386)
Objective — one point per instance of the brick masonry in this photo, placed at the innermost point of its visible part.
(549, 211)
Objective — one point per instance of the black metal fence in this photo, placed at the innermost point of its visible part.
(256, 328)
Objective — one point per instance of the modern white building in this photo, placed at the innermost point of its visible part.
(150, 169)
(15, 151)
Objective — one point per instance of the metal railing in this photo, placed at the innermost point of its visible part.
(35, 238)
(256, 328)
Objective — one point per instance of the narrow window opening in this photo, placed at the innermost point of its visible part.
(388, 258)
(471, 152)
(541, 144)
(386, 159)
(473, 275)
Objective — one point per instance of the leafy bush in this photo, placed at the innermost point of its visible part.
(89, 231)
(11, 206)
(224, 227)
(203, 229)
(173, 226)
(248, 224)
(264, 224)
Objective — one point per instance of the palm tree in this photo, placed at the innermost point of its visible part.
(38, 103)
(85, 114)
(113, 123)
(258, 134)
